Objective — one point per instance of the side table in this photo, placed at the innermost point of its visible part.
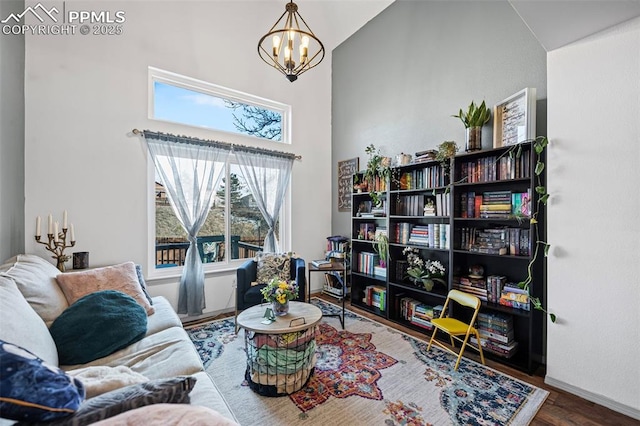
(280, 355)
(335, 267)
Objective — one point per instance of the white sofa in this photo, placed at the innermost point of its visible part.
(30, 300)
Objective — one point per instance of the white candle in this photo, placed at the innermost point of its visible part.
(64, 219)
(38, 226)
(72, 234)
(55, 232)
(50, 223)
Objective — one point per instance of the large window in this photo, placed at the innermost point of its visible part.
(235, 228)
(183, 100)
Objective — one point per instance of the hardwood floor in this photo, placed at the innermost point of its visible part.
(560, 408)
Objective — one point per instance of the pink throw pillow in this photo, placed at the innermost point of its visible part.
(120, 277)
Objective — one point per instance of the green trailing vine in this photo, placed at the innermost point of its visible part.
(539, 144)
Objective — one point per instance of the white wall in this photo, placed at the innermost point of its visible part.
(11, 137)
(84, 94)
(594, 180)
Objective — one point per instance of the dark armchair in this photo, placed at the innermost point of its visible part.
(248, 295)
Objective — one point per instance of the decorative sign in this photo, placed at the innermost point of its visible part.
(346, 169)
(515, 119)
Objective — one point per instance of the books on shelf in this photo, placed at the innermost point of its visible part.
(375, 296)
(500, 241)
(515, 297)
(432, 235)
(496, 334)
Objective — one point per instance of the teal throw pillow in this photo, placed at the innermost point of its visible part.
(31, 390)
(97, 325)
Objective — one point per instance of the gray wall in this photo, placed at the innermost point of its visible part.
(397, 81)
(11, 137)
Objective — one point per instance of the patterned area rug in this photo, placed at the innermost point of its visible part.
(369, 374)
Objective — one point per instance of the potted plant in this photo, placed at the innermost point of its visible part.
(381, 246)
(378, 170)
(424, 272)
(473, 120)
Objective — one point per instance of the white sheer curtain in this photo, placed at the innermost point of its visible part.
(267, 176)
(190, 173)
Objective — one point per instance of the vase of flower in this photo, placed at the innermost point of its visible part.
(280, 309)
(279, 292)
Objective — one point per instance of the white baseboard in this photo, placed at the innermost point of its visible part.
(598, 399)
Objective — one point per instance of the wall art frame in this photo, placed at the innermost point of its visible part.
(346, 169)
(514, 119)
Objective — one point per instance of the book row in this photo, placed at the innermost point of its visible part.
(429, 177)
(494, 205)
(500, 241)
(494, 289)
(375, 296)
(365, 262)
(432, 235)
(418, 313)
(493, 168)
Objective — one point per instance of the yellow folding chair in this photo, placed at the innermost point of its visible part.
(455, 328)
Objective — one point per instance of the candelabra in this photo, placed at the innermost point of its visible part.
(57, 241)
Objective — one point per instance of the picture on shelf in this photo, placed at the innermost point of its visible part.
(515, 119)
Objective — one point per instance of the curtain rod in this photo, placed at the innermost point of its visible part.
(231, 146)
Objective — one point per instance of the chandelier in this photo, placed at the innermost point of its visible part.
(289, 47)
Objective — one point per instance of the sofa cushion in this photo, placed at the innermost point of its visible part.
(172, 390)
(207, 394)
(164, 316)
(97, 325)
(155, 356)
(32, 390)
(120, 277)
(36, 280)
(273, 265)
(22, 326)
(101, 379)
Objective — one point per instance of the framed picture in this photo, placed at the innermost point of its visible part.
(514, 119)
(346, 169)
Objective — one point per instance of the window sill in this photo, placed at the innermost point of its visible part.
(176, 272)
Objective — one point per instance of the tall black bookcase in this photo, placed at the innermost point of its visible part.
(461, 194)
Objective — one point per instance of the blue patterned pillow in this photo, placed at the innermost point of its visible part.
(160, 391)
(31, 390)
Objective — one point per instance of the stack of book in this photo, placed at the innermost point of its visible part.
(475, 286)
(496, 334)
(375, 296)
(490, 241)
(321, 263)
(496, 205)
(515, 297)
(419, 235)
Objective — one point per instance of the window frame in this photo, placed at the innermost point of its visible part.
(228, 265)
(184, 82)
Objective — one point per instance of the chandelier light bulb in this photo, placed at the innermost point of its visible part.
(292, 26)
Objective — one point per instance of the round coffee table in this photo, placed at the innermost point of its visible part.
(280, 355)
